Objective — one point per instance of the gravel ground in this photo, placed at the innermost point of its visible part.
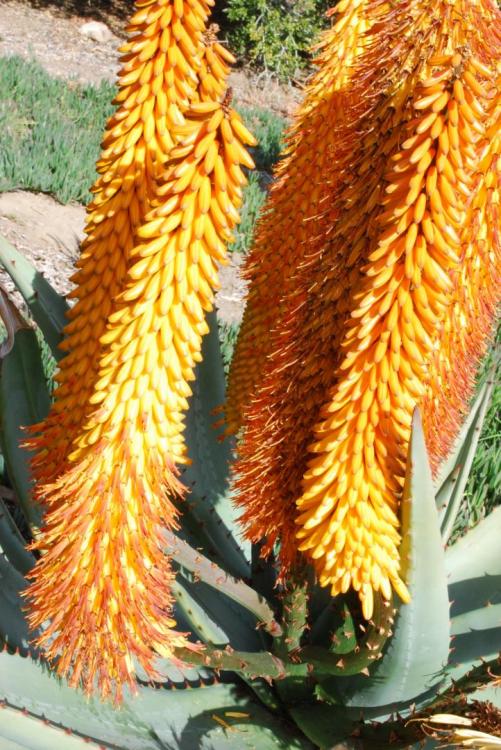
(54, 39)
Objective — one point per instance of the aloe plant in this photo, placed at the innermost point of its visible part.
(283, 666)
(147, 599)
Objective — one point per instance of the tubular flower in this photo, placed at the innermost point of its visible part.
(101, 589)
(157, 80)
(295, 220)
(396, 306)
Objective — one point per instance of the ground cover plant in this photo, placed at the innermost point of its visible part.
(336, 608)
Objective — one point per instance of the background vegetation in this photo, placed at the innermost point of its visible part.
(274, 35)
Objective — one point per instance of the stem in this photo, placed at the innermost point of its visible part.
(207, 571)
(248, 663)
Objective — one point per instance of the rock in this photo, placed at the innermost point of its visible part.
(97, 31)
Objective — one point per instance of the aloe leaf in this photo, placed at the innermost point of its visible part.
(12, 321)
(207, 626)
(218, 717)
(248, 663)
(476, 635)
(14, 631)
(47, 307)
(474, 567)
(199, 620)
(24, 400)
(21, 730)
(238, 625)
(207, 571)
(418, 650)
(328, 727)
(208, 475)
(451, 461)
(12, 543)
(451, 493)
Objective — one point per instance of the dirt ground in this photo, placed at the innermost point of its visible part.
(48, 30)
(48, 234)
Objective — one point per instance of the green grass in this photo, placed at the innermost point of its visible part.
(50, 133)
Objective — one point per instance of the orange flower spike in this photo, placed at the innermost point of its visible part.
(294, 219)
(156, 82)
(383, 289)
(103, 581)
(304, 345)
(393, 346)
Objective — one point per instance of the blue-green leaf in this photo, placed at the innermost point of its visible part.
(209, 499)
(451, 493)
(12, 543)
(417, 652)
(47, 307)
(24, 400)
(218, 717)
(474, 568)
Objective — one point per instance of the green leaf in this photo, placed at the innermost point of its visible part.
(157, 719)
(199, 620)
(451, 461)
(476, 635)
(474, 568)
(208, 572)
(451, 493)
(12, 543)
(47, 307)
(328, 727)
(209, 500)
(13, 627)
(24, 732)
(237, 625)
(24, 401)
(417, 652)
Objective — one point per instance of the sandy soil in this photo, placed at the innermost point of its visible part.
(53, 38)
(48, 234)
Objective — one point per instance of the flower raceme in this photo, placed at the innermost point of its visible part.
(295, 218)
(165, 204)
(391, 299)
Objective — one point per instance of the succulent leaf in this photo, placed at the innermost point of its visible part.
(12, 543)
(47, 307)
(207, 476)
(474, 567)
(417, 652)
(208, 572)
(450, 495)
(156, 719)
(24, 400)
(14, 631)
(19, 729)
(451, 461)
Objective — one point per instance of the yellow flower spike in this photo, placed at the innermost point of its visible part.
(136, 145)
(408, 245)
(100, 592)
(298, 201)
